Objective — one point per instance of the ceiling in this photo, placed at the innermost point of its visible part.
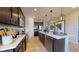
(39, 15)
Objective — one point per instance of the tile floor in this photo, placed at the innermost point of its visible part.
(34, 45)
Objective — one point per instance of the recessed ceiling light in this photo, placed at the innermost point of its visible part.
(35, 9)
(34, 17)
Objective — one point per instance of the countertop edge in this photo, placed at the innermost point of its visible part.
(12, 45)
(54, 36)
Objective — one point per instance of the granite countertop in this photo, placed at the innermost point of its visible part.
(13, 45)
(53, 35)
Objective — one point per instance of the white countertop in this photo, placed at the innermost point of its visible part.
(13, 45)
(54, 36)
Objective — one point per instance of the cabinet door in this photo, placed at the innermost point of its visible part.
(42, 38)
(19, 48)
(59, 45)
(24, 44)
(48, 43)
(21, 18)
(39, 36)
(5, 12)
(15, 16)
(5, 15)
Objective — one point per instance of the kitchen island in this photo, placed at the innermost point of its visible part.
(18, 45)
(53, 42)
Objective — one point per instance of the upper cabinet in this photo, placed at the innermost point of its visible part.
(5, 12)
(12, 16)
(5, 15)
(15, 16)
(21, 18)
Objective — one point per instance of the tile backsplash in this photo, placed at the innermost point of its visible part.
(11, 27)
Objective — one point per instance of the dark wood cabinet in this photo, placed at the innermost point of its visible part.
(12, 16)
(5, 15)
(24, 44)
(42, 38)
(21, 46)
(5, 12)
(59, 45)
(36, 31)
(48, 43)
(52, 44)
(21, 18)
(15, 16)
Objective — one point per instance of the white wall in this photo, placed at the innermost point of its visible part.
(72, 26)
(29, 27)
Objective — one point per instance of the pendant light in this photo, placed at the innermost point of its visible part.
(46, 20)
(61, 17)
(51, 14)
(35, 9)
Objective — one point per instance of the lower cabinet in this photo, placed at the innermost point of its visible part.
(42, 38)
(21, 46)
(48, 43)
(59, 45)
(24, 44)
(35, 33)
(52, 44)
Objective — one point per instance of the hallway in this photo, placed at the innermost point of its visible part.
(34, 45)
